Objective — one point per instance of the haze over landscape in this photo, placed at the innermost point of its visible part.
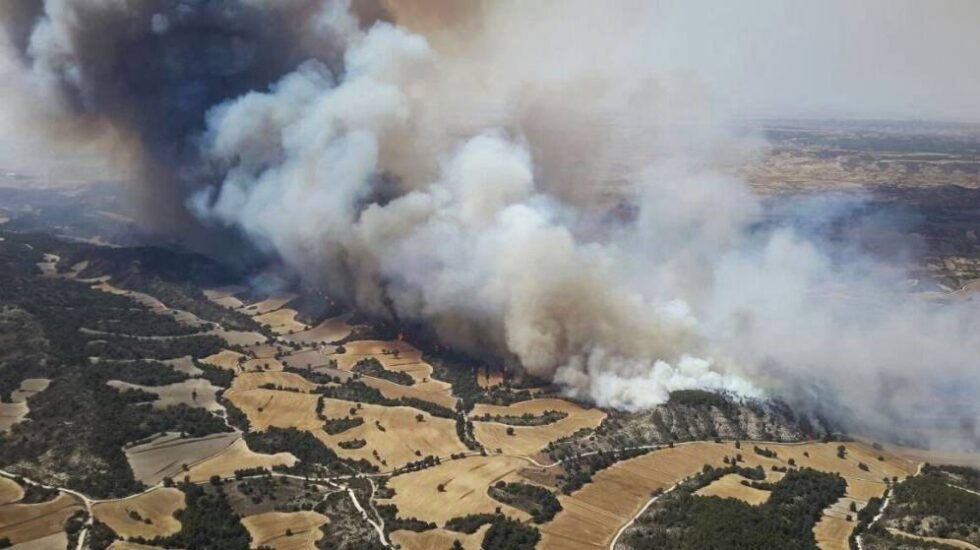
(615, 226)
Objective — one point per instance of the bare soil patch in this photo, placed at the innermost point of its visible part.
(167, 455)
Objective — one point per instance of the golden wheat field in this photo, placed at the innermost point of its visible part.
(269, 529)
(271, 303)
(225, 359)
(147, 515)
(254, 380)
(29, 522)
(282, 321)
(528, 440)
(464, 483)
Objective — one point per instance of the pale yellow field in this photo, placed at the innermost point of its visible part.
(730, 486)
(252, 380)
(265, 351)
(237, 457)
(465, 482)
(592, 515)
(28, 522)
(29, 387)
(158, 506)
(328, 331)
(225, 359)
(193, 392)
(269, 304)
(165, 456)
(394, 355)
(10, 491)
(438, 538)
(310, 358)
(528, 440)
(269, 529)
(225, 296)
(396, 445)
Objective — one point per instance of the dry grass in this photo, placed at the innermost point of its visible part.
(490, 379)
(331, 330)
(465, 482)
(29, 522)
(528, 440)
(730, 486)
(193, 392)
(237, 457)
(269, 529)
(185, 365)
(238, 337)
(282, 321)
(253, 380)
(10, 491)
(403, 434)
(56, 541)
(438, 393)
(438, 538)
(833, 529)
(158, 506)
(310, 358)
(225, 359)
(165, 456)
(225, 296)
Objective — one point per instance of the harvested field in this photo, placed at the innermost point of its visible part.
(282, 321)
(592, 515)
(10, 491)
(490, 379)
(49, 267)
(312, 358)
(438, 538)
(261, 365)
(254, 380)
(465, 482)
(225, 296)
(165, 456)
(269, 529)
(971, 460)
(528, 440)
(12, 413)
(403, 434)
(57, 541)
(271, 303)
(29, 522)
(730, 486)
(225, 359)
(193, 392)
(833, 529)
(237, 457)
(265, 351)
(16, 411)
(331, 330)
(157, 506)
(238, 337)
(394, 355)
(432, 392)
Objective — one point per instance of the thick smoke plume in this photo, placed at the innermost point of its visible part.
(514, 174)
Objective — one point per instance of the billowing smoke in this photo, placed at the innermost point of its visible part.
(516, 175)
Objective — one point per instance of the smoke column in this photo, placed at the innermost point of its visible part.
(523, 182)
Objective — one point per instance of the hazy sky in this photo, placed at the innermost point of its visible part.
(837, 58)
